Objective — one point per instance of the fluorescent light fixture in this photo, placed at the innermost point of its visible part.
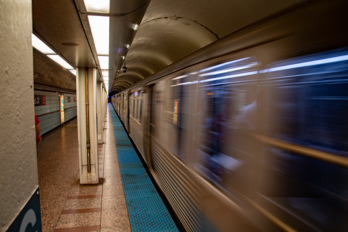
(41, 46)
(123, 57)
(104, 62)
(105, 73)
(135, 27)
(223, 64)
(60, 61)
(99, 6)
(309, 63)
(100, 26)
(127, 46)
(230, 70)
(73, 71)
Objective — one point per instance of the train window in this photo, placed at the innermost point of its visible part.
(179, 112)
(136, 108)
(141, 111)
(307, 105)
(310, 96)
(133, 107)
(228, 113)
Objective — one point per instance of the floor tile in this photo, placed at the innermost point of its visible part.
(79, 220)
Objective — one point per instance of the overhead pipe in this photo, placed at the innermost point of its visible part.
(87, 123)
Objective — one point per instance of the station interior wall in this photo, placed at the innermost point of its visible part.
(48, 111)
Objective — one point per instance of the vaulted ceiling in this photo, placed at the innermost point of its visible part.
(168, 31)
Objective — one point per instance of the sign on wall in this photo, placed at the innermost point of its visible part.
(62, 108)
(40, 100)
(29, 219)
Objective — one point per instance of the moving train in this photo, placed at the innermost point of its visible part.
(251, 132)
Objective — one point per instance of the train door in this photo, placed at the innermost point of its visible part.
(128, 111)
(149, 124)
(121, 106)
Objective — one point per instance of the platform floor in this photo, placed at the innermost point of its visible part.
(65, 204)
(68, 206)
(146, 210)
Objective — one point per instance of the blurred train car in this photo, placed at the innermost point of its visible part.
(250, 133)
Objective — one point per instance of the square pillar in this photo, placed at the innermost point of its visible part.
(86, 90)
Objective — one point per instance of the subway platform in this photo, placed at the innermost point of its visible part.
(125, 198)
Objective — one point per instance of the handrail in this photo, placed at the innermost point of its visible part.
(320, 155)
(271, 217)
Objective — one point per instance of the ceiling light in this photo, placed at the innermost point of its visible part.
(104, 62)
(60, 61)
(135, 27)
(41, 46)
(73, 71)
(127, 46)
(100, 26)
(105, 73)
(99, 6)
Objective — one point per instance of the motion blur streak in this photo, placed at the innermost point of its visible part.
(251, 133)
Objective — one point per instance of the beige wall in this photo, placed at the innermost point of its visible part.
(18, 175)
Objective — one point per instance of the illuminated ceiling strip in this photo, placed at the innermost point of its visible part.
(100, 27)
(41, 46)
(73, 71)
(60, 61)
(309, 63)
(104, 62)
(100, 6)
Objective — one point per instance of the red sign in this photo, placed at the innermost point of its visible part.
(43, 98)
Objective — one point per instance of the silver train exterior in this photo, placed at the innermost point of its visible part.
(250, 133)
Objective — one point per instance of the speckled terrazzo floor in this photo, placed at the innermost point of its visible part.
(65, 204)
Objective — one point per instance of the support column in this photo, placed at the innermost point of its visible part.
(105, 106)
(100, 105)
(86, 90)
(20, 201)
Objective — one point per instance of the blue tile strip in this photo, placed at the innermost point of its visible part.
(146, 210)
